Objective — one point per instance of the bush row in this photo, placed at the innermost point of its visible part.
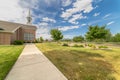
(20, 42)
(89, 45)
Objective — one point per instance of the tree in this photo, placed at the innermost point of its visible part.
(116, 38)
(108, 37)
(56, 34)
(41, 39)
(97, 33)
(78, 38)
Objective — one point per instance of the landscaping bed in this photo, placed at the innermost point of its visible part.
(79, 63)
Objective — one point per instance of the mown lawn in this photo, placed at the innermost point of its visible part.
(83, 63)
(8, 56)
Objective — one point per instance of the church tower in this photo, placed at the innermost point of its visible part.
(29, 18)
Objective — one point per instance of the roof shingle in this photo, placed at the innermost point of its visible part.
(6, 26)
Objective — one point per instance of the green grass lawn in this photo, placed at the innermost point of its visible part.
(84, 63)
(8, 56)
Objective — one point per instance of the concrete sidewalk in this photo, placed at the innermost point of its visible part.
(33, 65)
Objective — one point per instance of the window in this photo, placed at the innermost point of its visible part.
(28, 37)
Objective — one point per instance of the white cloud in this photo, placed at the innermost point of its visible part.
(73, 22)
(66, 2)
(78, 6)
(16, 10)
(43, 24)
(76, 17)
(10, 10)
(44, 35)
(110, 23)
(107, 15)
(96, 14)
(46, 19)
(50, 3)
(65, 28)
(83, 24)
(43, 31)
(33, 4)
(62, 9)
(97, 1)
(96, 7)
(66, 36)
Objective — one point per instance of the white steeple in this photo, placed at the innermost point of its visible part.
(29, 18)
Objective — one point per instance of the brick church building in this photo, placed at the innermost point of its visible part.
(9, 31)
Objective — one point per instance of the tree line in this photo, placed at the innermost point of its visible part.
(94, 34)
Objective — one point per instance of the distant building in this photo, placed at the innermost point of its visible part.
(9, 31)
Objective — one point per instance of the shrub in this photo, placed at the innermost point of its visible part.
(90, 45)
(103, 47)
(65, 44)
(41, 39)
(36, 41)
(81, 46)
(46, 40)
(78, 45)
(93, 46)
(75, 45)
(18, 42)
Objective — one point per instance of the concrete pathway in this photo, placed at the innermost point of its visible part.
(33, 65)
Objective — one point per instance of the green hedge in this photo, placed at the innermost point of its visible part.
(103, 47)
(65, 44)
(75, 45)
(18, 42)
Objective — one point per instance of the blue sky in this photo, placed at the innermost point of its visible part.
(72, 17)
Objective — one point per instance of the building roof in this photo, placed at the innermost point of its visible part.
(11, 27)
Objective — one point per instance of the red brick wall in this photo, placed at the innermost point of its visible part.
(8, 38)
(5, 38)
(17, 35)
